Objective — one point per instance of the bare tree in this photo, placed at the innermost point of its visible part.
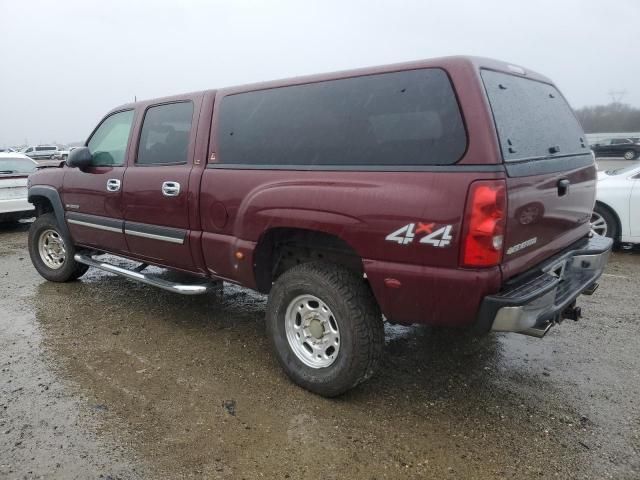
(615, 117)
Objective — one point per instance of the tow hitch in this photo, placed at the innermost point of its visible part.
(572, 313)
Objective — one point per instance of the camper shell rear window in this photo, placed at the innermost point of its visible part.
(533, 119)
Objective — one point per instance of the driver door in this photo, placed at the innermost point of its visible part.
(92, 197)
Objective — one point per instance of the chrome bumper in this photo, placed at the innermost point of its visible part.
(548, 294)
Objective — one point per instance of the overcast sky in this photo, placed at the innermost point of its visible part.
(63, 64)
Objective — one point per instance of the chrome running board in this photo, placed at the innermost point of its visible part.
(184, 289)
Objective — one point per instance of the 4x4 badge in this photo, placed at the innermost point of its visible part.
(438, 238)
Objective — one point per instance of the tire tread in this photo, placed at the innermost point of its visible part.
(365, 321)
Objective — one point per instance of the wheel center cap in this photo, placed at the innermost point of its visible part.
(316, 329)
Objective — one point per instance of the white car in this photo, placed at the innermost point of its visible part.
(617, 210)
(14, 171)
(63, 154)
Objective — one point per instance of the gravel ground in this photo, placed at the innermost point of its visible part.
(107, 379)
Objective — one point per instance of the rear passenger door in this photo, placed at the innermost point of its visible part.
(156, 194)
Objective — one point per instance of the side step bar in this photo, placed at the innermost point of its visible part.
(183, 289)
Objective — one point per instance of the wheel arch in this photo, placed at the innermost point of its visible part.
(47, 199)
(280, 248)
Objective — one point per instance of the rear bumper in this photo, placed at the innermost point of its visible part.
(539, 298)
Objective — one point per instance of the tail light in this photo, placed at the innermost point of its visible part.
(484, 224)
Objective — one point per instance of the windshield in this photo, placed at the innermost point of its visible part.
(533, 119)
(16, 165)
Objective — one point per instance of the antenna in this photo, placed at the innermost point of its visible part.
(617, 95)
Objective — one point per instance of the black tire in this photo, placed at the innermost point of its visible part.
(69, 269)
(630, 155)
(356, 313)
(610, 220)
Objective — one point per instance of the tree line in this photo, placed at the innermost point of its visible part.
(615, 117)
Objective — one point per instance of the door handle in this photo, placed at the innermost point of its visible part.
(563, 187)
(113, 185)
(170, 189)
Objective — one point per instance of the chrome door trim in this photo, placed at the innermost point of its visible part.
(107, 224)
(94, 225)
(155, 232)
(154, 236)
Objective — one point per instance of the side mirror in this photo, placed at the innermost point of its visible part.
(79, 158)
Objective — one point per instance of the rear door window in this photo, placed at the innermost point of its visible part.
(533, 119)
(164, 139)
(407, 118)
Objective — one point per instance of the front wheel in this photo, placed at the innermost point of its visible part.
(50, 253)
(629, 155)
(325, 327)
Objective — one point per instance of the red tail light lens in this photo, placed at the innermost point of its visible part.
(484, 224)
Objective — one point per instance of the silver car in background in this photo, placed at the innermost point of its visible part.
(41, 152)
(14, 172)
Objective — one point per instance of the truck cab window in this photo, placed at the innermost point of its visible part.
(164, 139)
(108, 145)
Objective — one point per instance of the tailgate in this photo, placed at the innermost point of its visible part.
(551, 182)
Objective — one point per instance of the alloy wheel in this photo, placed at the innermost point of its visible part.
(312, 331)
(52, 249)
(599, 224)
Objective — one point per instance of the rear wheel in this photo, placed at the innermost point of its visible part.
(629, 155)
(603, 222)
(51, 254)
(325, 327)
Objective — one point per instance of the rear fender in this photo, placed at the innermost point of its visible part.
(289, 205)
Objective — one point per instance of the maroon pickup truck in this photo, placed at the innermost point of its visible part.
(450, 192)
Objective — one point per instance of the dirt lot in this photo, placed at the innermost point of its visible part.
(103, 378)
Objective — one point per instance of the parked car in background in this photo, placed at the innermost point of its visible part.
(14, 170)
(41, 152)
(63, 154)
(617, 211)
(7, 150)
(617, 147)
